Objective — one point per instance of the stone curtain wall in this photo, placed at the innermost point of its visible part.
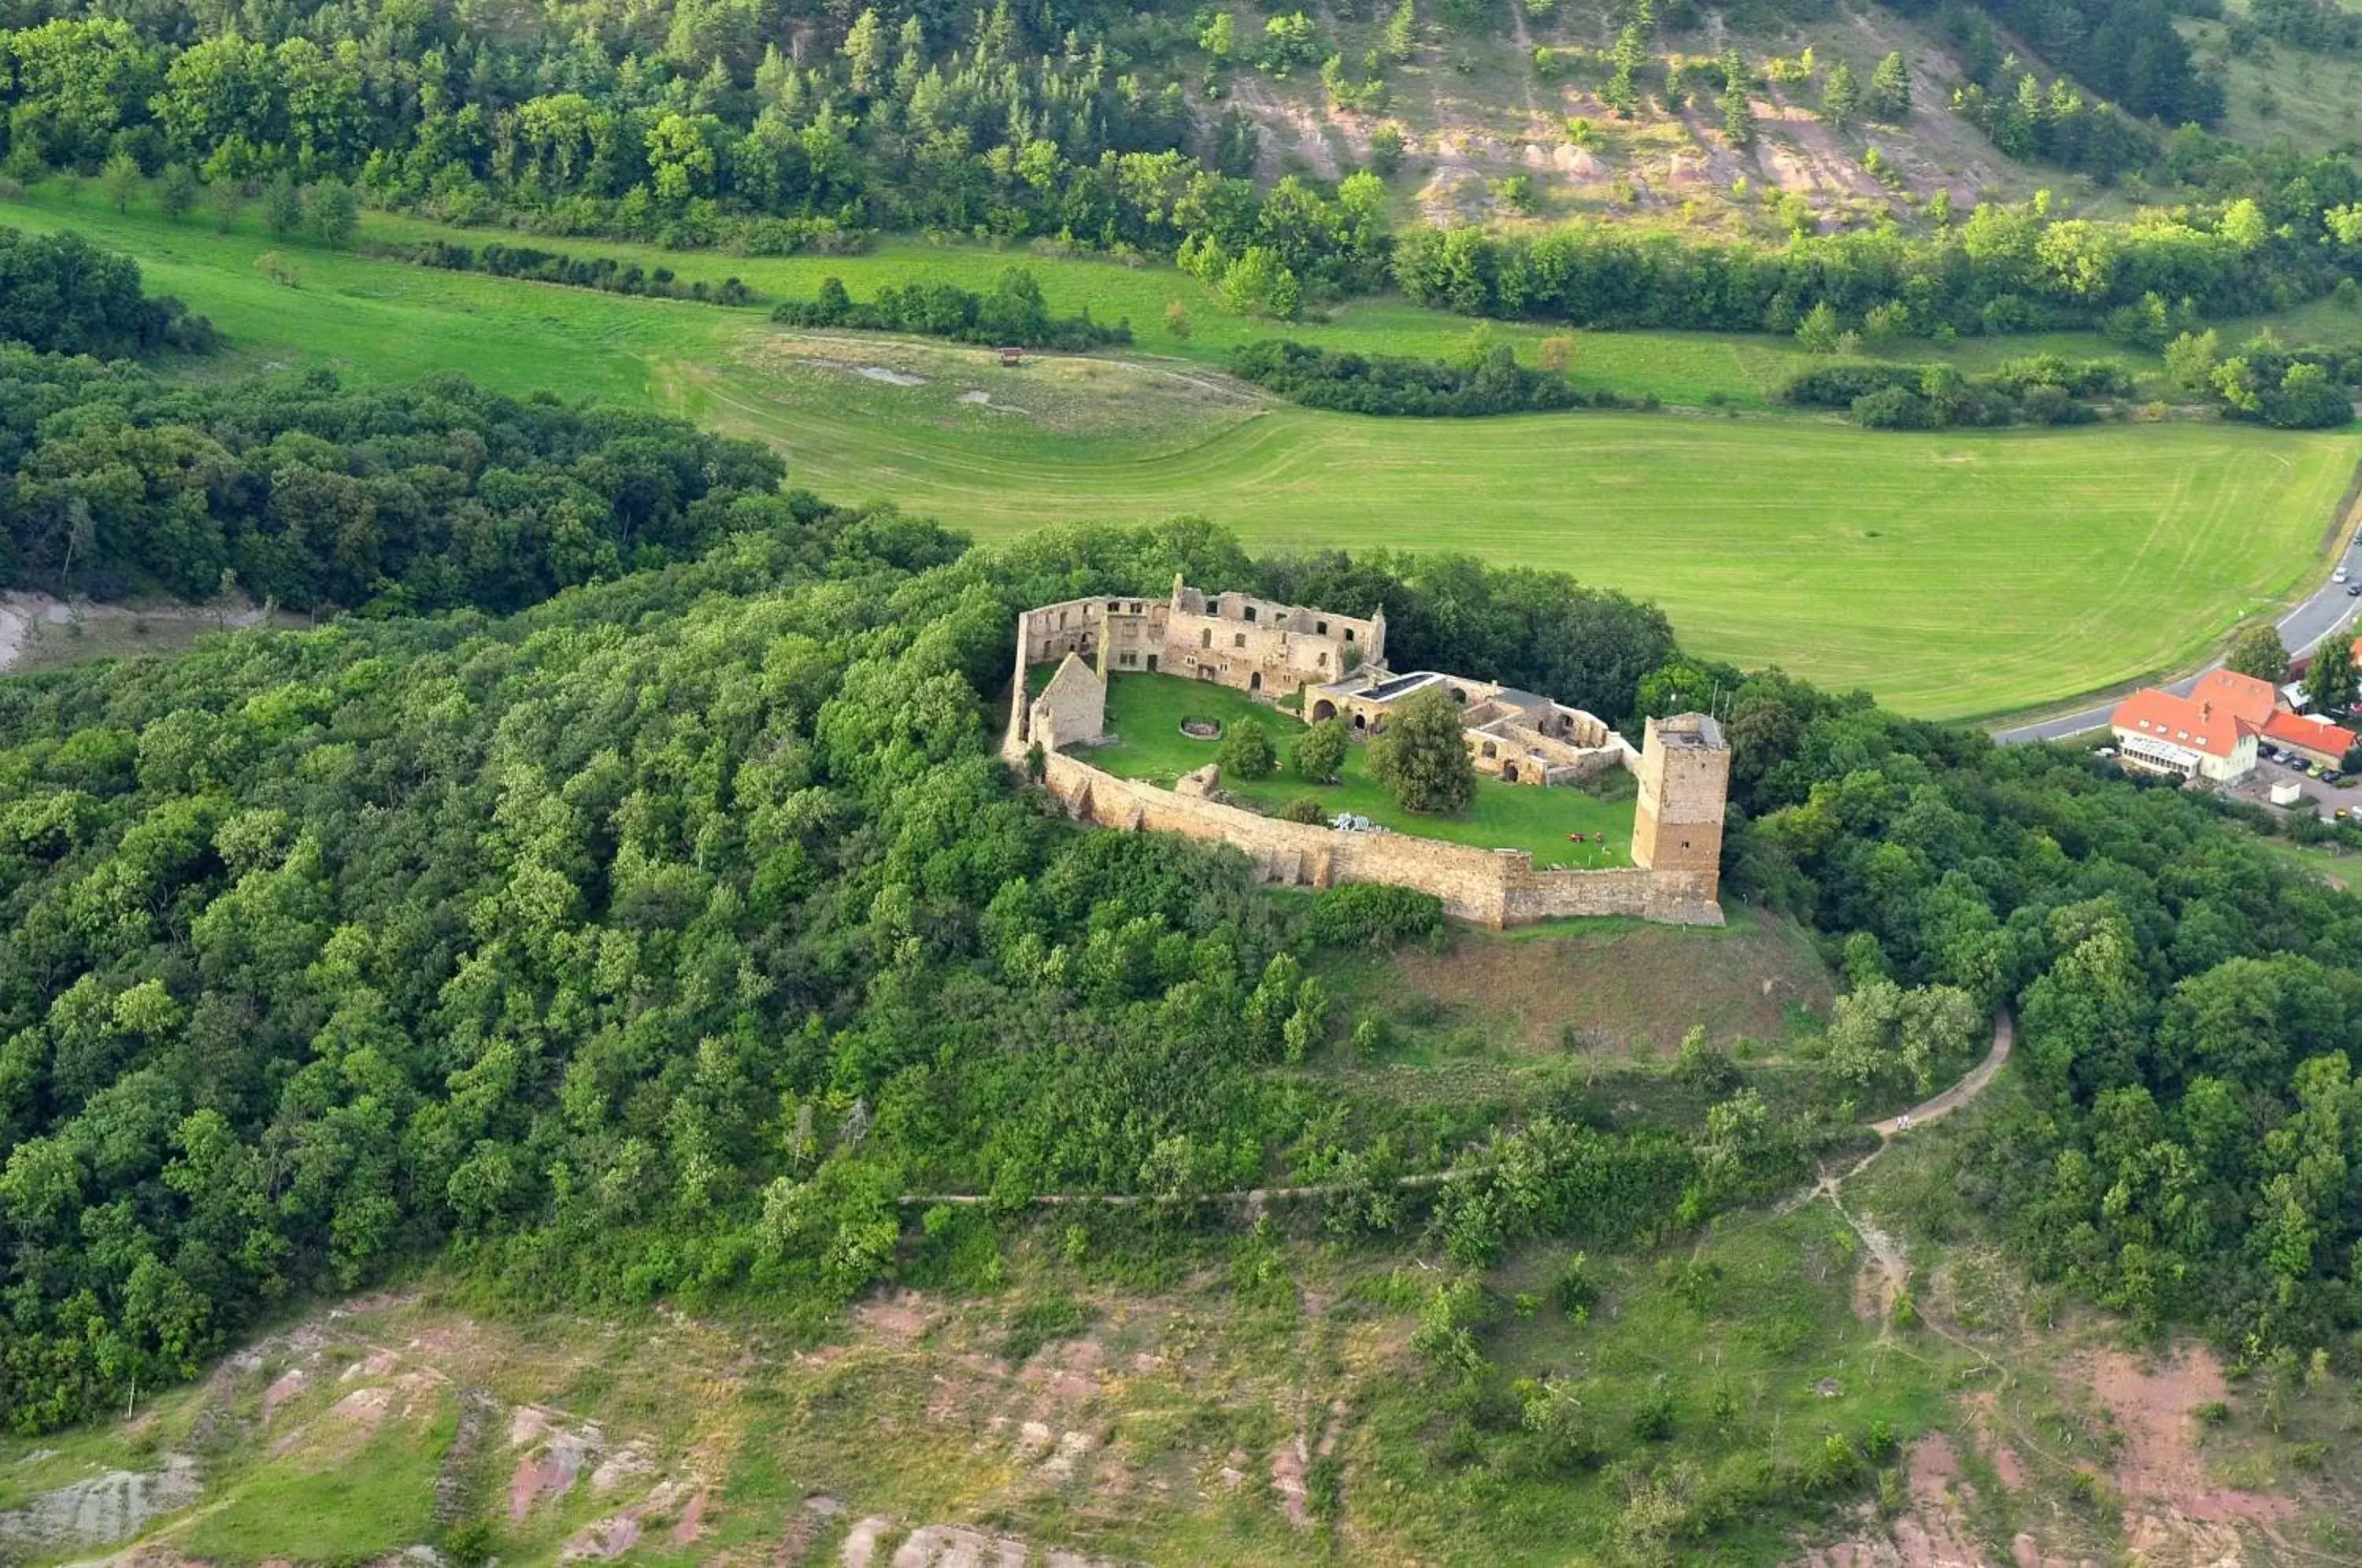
(1492, 888)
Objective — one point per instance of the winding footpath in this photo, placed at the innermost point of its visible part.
(1256, 1198)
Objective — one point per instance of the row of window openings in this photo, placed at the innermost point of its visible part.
(1319, 628)
(2178, 734)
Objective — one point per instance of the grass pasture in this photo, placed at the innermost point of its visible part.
(1956, 575)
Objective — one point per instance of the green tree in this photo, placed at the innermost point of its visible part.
(1738, 120)
(1402, 31)
(865, 54)
(178, 191)
(335, 212)
(1289, 41)
(226, 198)
(120, 179)
(1319, 754)
(1841, 97)
(2191, 360)
(1819, 331)
(2329, 681)
(2260, 652)
(1219, 36)
(1246, 752)
(1420, 754)
(1890, 89)
(282, 206)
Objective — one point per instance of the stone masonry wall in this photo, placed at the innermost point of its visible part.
(1493, 888)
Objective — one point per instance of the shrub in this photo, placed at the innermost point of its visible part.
(1371, 914)
(1246, 752)
(1305, 809)
(1320, 753)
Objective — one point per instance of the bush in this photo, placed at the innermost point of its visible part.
(1318, 754)
(1013, 315)
(1307, 809)
(1388, 384)
(1371, 914)
(1246, 752)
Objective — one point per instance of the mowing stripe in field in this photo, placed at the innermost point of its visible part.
(1956, 575)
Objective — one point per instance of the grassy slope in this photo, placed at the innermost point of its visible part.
(1145, 712)
(1956, 575)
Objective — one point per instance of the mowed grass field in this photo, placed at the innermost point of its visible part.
(1957, 575)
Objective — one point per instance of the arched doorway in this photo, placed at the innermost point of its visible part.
(1254, 680)
(1508, 773)
(1361, 721)
(1322, 710)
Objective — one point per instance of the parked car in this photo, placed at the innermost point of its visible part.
(2340, 575)
(2354, 590)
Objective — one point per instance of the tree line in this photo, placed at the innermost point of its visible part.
(1012, 313)
(681, 126)
(60, 293)
(300, 490)
(2041, 389)
(1489, 381)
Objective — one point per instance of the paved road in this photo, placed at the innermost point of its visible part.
(2328, 610)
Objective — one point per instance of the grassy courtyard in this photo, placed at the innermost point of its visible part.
(1145, 711)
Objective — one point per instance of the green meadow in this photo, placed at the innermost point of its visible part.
(1145, 711)
(1956, 575)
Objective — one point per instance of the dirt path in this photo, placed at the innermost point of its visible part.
(1960, 1094)
(1257, 1197)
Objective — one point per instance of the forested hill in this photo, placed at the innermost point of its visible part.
(651, 944)
(771, 127)
(431, 497)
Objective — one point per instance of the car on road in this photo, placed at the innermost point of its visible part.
(2354, 590)
(2340, 575)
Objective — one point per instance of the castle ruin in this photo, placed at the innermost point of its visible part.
(1334, 666)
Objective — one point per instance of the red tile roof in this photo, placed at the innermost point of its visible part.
(2243, 696)
(2317, 735)
(2192, 722)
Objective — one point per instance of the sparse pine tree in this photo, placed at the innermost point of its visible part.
(1890, 89)
(1402, 31)
(1841, 97)
(1738, 120)
(865, 54)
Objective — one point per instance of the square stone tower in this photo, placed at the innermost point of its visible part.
(1684, 776)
